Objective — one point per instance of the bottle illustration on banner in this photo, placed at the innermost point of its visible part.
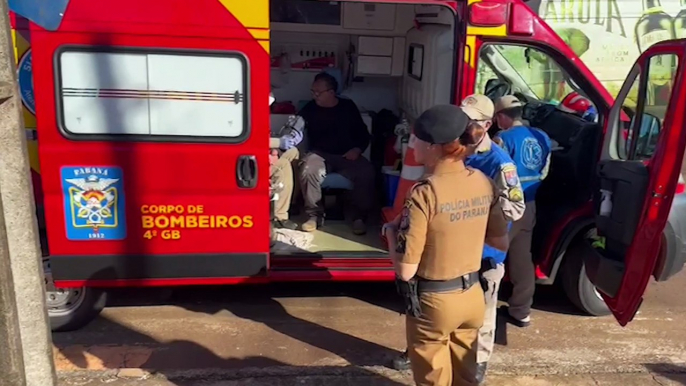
(654, 25)
(680, 22)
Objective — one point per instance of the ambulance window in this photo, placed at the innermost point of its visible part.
(645, 107)
(527, 70)
(305, 12)
(152, 94)
(415, 61)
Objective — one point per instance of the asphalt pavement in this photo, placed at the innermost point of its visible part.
(347, 333)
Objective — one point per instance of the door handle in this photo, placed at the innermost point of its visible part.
(246, 171)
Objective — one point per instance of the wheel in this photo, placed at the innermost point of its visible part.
(578, 287)
(71, 308)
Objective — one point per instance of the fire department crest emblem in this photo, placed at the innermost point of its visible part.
(94, 205)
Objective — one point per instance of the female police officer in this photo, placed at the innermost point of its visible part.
(439, 239)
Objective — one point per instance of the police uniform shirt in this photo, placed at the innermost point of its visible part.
(496, 164)
(445, 220)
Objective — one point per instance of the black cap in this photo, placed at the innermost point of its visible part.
(441, 124)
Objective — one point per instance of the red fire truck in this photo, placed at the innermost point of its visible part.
(152, 129)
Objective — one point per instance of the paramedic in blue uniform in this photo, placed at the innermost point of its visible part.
(494, 162)
(436, 246)
(529, 148)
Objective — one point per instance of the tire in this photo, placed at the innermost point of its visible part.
(69, 309)
(578, 287)
(65, 319)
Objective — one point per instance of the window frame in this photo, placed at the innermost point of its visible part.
(166, 138)
(640, 71)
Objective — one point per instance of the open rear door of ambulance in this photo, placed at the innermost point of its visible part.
(153, 140)
(637, 177)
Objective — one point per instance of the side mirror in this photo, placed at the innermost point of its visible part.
(648, 134)
(650, 125)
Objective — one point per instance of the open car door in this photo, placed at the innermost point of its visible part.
(643, 151)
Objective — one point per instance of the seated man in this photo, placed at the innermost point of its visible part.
(281, 179)
(336, 137)
(281, 170)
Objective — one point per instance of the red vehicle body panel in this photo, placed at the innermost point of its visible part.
(201, 175)
(204, 174)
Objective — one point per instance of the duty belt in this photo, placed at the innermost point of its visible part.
(463, 282)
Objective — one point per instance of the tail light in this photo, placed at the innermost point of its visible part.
(540, 275)
(680, 186)
(488, 14)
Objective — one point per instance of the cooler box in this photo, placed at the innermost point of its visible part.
(391, 179)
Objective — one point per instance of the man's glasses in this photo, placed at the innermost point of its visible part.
(316, 93)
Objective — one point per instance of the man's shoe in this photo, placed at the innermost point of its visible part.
(481, 372)
(521, 323)
(401, 362)
(310, 225)
(359, 227)
(285, 224)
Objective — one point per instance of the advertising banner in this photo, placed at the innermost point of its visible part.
(609, 35)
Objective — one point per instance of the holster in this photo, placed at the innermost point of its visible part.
(408, 291)
(487, 264)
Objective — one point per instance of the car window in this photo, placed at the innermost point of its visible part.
(646, 107)
(528, 70)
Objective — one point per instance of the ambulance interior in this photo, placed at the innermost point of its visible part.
(400, 58)
(393, 60)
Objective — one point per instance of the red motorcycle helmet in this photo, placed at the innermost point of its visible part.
(574, 103)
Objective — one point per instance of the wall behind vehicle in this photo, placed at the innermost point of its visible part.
(22, 53)
(609, 35)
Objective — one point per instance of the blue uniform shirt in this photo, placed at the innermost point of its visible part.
(494, 162)
(529, 148)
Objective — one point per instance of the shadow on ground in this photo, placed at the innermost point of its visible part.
(672, 372)
(259, 304)
(113, 346)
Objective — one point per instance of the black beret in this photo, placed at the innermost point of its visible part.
(441, 124)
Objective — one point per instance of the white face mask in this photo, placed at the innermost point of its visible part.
(271, 99)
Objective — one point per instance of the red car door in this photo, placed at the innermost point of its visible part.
(637, 177)
(153, 137)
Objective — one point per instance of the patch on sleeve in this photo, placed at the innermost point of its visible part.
(404, 226)
(415, 186)
(510, 173)
(401, 242)
(515, 194)
(405, 217)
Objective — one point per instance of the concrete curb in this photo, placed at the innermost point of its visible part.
(397, 379)
(334, 371)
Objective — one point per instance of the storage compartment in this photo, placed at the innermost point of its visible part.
(369, 16)
(618, 206)
(627, 182)
(380, 56)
